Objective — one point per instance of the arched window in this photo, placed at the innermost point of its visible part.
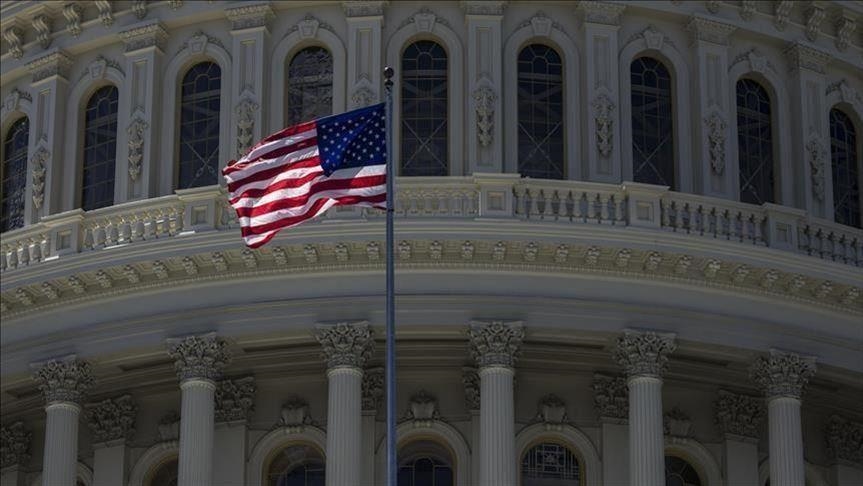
(846, 169)
(100, 149)
(678, 472)
(165, 474)
(540, 113)
(425, 463)
(424, 150)
(652, 123)
(754, 143)
(199, 126)
(310, 85)
(296, 465)
(14, 174)
(550, 464)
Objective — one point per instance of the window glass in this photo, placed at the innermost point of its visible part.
(540, 113)
(425, 463)
(199, 126)
(14, 174)
(100, 149)
(846, 169)
(297, 465)
(550, 464)
(424, 110)
(680, 473)
(652, 123)
(754, 143)
(310, 85)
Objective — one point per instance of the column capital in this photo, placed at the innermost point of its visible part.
(14, 444)
(63, 380)
(470, 380)
(601, 12)
(495, 343)
(487, 8)
(112, 419)
(56, 63)
(709, 30)
(644, 353)
(611, 398)
(844, 440)
(346, 344)
(143, 36)
(235, 399)
(202, 357)
(782, 374)
(360, 8)
(373, 388)
(739, 415)
(250, 16)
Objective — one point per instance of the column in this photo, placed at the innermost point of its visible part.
(783, 376)
(64, 384)
(365, 51)
(141, 132)
(611, 401)
(234, 402)
(49, 87)
(199, 361)
(845, 451)
(644, 358)
(373, 395)
(494, 346)
(602, 91)
(112, 424)
(484, 85)
(347, 346)
(712, 106)
(739, 418)
(470, 380)
(15, 443)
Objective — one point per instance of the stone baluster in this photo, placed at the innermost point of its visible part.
(494, 346)
(198, 361)
(346, 346)
(64, 384)
(782, 376)
(644, 358)
(739, 418)
(112, 424)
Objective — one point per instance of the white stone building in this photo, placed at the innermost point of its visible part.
(558, 324)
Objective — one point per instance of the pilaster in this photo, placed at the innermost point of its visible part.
(365, 51)
(112, 424)
(234, 403)
(602, 94)
(845, 450)
(373, 395)
(611, 402)
(739, 418)
(15, 447)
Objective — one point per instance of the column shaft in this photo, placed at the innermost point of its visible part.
(344, 426)
(59, 467)
(786, 442)
(646, 437)
(497, 427)
(196, 432)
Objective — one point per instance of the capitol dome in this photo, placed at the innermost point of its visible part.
(628, 245)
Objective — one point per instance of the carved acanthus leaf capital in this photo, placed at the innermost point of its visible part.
(14, 444)
(644, 353)
(112, 419)
(66, 380)
(346, 343)
(739, 415)
(373, 388)
(235, 399)
(199, 357)
(782, 374)
(611, 397)
(495, 343)
(484, 7)
(844, 440)
(470, 380)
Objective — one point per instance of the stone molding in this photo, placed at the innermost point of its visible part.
(249, 16)
(611, 398)
(112, 419)
(346, 344)
(234, 399)
(200, 357)
(782, 374)
(495, 343)
(605, 13)
(373, 388)
(64, 380)
(14, 444)
(709, 30)
(739, 415)
(141, 37)
(485, 7)
(364, 8)
(844, 441)
(644, 353)
(56, 63)
(801, 56)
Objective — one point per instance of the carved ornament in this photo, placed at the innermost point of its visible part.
(644, 353)
(495, 343)
(112, 419)
(199, 357)
(348, 344)
(66, 380)
(782, 374)
(739, 415)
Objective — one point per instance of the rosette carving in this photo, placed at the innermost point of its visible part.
(739, 415)
(199, 357)
(644, 353)
(346, 343)
(235, 399)
(611, 397)
(112, 419)
(495, 343)
(782, 374)
(14, 445)
(66, 380)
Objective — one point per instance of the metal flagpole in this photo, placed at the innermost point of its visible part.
(391, 307)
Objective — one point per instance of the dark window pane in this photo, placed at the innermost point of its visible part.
(680, 473)
(540, 113)
(310, 85)
(14, 174)
(424, 147)
(100, 149)
(550, 464)
(845, 160)
(652, 123)
(296, 465)
(200, 105)
(754, 143)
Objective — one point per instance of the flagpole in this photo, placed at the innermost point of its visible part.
(392, 466)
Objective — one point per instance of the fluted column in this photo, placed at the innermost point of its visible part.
(782, 376)
(494, 346)
(346, 347)
(644, 357)
(64, 384)
(198, 361)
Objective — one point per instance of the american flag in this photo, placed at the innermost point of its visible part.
(300, 172)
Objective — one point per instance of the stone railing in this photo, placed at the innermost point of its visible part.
(500, 196)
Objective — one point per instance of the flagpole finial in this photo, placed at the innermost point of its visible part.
(388, 74)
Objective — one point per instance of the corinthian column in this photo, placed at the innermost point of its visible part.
(782, 376)
(199, 361)
(494, 345)
(346, 346)
(64, 384)
(644, 357)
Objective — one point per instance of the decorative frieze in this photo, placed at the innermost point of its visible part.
(373, 388)
(621, 259)
(652, 261)
(112, 419)
(610, 397)
(495, 343)
(606, 13)
(435, 250)
(347, 344)
(561, 253)
(467, 250)
(422, 408)
(131, 274)
(106, 15)
(42, 26)
(361, 8)
(485, 98)
(711, 268)
(682, 265)
(14, 445)
(498, 252)
(844, 440)
(603, 116)
(404, 250)
(644, 353)
(24, 297)
(150, 35)
(311, 254)
(14, 37)
(531, 250)
(66, 380)
(716, 128)
(739, 415)
(50, 291)
(782, 374)
(199, 357)
(492, 7)
(234, 399)
(103, 279)
(249, 16)
(470, 380)
(708, 30)
(250, 260)
(815, 157)
(845, 26)
(56, 63)
(551, 410)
